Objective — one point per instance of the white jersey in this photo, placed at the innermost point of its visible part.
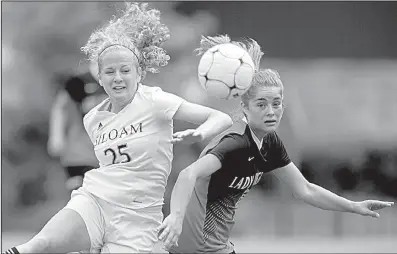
(133, 148)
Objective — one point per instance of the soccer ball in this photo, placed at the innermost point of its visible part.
(226, 71)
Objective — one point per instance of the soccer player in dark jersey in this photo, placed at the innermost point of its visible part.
(206, 194)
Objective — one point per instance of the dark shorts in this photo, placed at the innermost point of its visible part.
(77, 170)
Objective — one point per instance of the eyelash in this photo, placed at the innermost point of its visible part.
(111, 72)
(278, 104)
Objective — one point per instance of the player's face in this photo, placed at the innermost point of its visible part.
(265, 110)
(119, 74)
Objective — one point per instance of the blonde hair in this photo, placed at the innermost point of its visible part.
(249, 45)
(263, 78)
(138, 30)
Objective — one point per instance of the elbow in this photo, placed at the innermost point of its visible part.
(187, 176)
(226, 119)
(305, 193)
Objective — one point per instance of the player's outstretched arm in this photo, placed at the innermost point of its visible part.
(172, 225)
(322, 198)
(212, 122)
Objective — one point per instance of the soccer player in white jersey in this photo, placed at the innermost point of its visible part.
(118, 208)
(228, 168)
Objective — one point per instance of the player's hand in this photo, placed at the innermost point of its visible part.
(187, 137)
(368, 207)
(170, 231)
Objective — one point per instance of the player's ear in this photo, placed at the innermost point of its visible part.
(282, 110)
(140, 74)
(100, 80)
(99, 77)
(244, 107)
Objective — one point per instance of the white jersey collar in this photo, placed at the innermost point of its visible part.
(258, 142)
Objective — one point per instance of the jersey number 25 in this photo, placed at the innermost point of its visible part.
(120, 149)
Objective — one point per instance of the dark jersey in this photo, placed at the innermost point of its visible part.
(210, 214)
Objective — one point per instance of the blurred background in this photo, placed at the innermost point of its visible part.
(338, 62)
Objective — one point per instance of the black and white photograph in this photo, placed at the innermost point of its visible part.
(198, 127)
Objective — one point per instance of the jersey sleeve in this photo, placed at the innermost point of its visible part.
(166, 103)
(87, 122)
(226, 147)
(279, 155)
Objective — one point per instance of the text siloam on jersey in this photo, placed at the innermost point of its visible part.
(118, 133)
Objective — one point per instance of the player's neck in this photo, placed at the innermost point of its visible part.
(260, 134)
(117, 106)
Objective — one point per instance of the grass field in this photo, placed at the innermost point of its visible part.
(263, 225)
(278, 245)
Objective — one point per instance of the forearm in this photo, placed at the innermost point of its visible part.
(182, 193)
(216, 123)
(327, 200)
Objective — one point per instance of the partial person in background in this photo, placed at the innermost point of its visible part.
(119, 206)
(206, 194)
(68, 139)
